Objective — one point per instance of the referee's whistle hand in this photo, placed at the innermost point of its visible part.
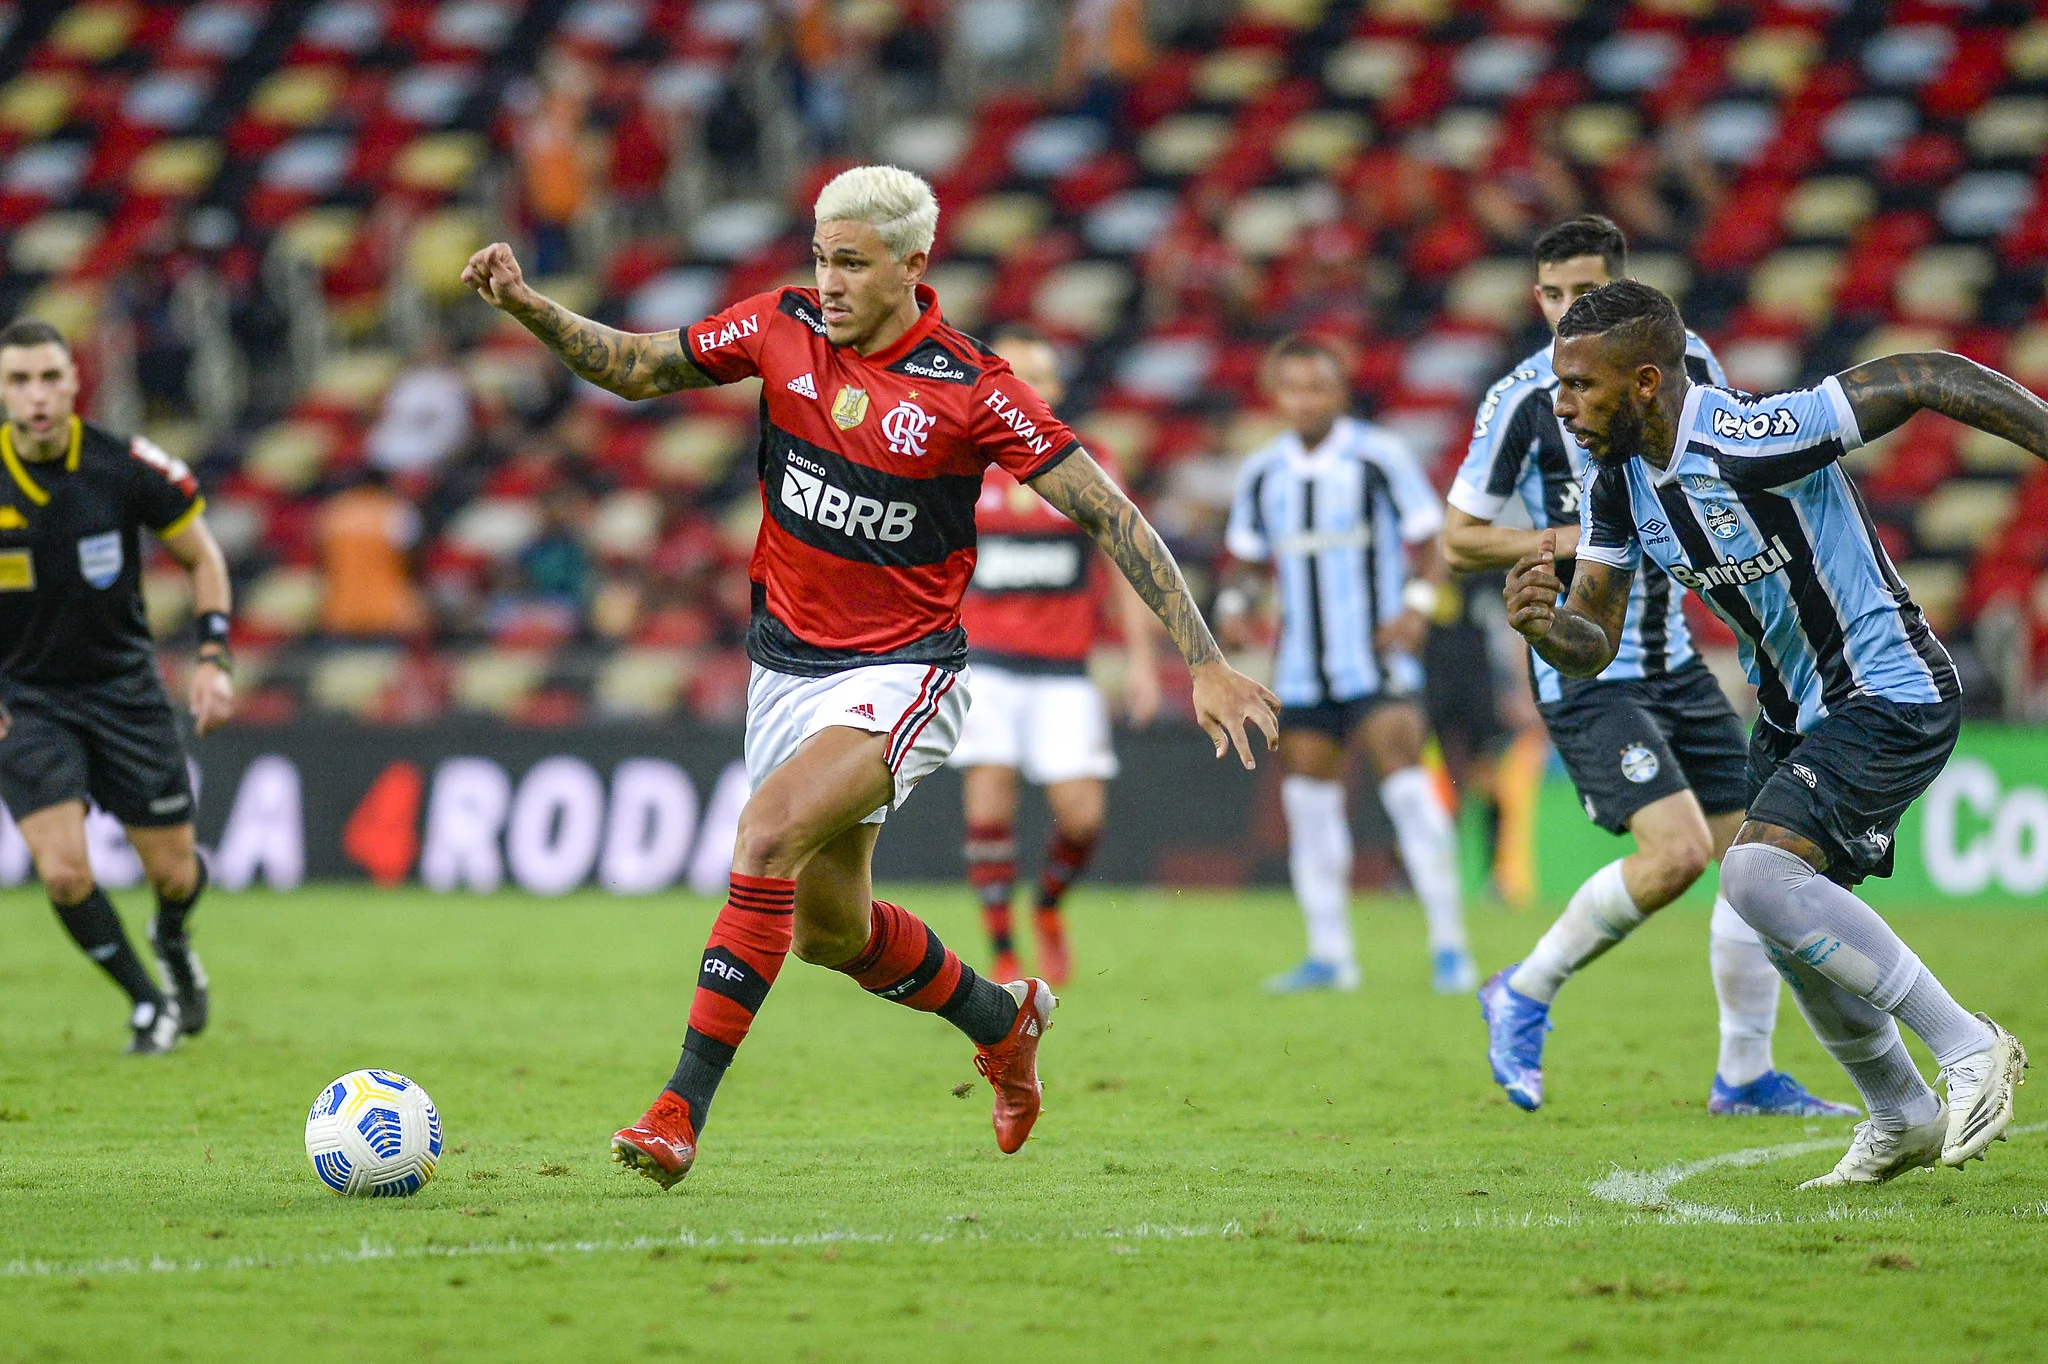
(212, 698)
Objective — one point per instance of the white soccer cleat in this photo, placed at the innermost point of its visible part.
(1981, 1092)
(1877, 1154)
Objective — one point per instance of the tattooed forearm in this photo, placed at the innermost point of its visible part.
(1886, 391)
(1083, 493)
(631, 364)
(1585, 633)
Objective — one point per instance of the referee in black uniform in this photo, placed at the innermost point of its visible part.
(83, 713)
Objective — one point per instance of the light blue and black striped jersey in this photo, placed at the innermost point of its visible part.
(1756, 515)
(1518, 449)
(1335, 522)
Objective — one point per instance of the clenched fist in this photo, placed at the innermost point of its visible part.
(1533, 588)
(494, 273)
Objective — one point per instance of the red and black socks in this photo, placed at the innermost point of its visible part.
(904, 961)
(1065, 859)
(747, 947)
(991, 853)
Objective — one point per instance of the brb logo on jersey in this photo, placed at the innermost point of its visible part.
(906, 426)
(807, 493)
(1779, 421)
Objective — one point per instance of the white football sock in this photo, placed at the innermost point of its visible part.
(1319, 861)
(1601, 913)
(1865, 1040)
(1429, 853)
(1810, 917)
(1746, 984)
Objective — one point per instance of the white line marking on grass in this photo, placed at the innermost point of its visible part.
(1649, 1191)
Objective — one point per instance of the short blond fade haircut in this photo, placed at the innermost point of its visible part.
(898, 204)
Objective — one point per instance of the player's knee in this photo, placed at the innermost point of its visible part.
(1675, 863)
(177, 881)
(1759, 882)
(67, 880)
(767, 843)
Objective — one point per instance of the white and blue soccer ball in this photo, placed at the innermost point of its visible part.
(374, 1134)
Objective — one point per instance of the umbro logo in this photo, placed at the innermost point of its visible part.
(1653, 527)
(804, 386)
(1805, 774)
(863, 710)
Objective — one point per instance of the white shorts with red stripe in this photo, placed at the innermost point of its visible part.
(921, 708)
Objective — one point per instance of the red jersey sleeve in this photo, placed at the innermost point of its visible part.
(727, 345)
(1013, 427)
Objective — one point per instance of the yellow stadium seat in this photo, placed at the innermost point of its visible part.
(36, 103)
(439, 246)
(994, 223)
(1322, 142)
(1086, 297)
(495, 527)
(2026, 358)
(1370, 68)
(2009, 126)
(1595, 134)
(93, 32)
(1465, 136)
(1798, 283)
(2026, 52)
(284, 601)
(1984, 453)
(1937, 584)
(1265, 222)
(1237, 73)
(1962, 514)
(963, 288)
(626, 525)
(166, 599)
(355, 379)
(352, 681)
(1423, 13)
(1184, 144)
(1297, 14)
(71, 306)
(642, 682)
(440, 162)
(1774, 58)
(495, 681)
(297, 96)
(289, 455)
(1120, 441)
(1494, 291)
(53, 243)
(1830, 206)
(320, 235)
(180, 167)
(1666, 270)
(1941, 283)
(695, 449)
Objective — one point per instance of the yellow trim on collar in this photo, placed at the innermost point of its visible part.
(185, 519)
(14, 465)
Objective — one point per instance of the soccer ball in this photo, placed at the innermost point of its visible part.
(374, 1134)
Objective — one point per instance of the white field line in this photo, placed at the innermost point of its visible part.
(1648, 1192)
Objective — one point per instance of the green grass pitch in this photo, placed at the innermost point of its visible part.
(1217, 1175)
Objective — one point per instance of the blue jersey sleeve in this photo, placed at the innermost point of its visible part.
(1503, 433)
(1771, 443)
(1245, 535)
(1607, 523)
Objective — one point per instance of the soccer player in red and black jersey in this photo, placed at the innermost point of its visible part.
(877, 421)
(1032, 612)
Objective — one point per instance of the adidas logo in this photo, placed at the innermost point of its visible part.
(863, 710)
(805, 385)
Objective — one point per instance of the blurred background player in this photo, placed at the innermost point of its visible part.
(1031, 613)
(83, 714)
(878, 420)
(1334, 505)
(1651, 744)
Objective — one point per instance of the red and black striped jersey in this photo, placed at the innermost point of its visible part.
(1035, 601)
(870, 466)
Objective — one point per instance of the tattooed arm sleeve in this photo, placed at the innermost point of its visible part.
(631, 364)
(1884, 392)
(1084, 494)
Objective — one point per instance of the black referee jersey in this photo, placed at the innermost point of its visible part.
(70, 554)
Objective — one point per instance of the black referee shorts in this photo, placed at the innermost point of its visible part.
(115, 743)
(1631, 742)
(1845, 784)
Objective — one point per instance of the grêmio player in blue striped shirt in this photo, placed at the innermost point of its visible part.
(1651, 744)
(1744, 501)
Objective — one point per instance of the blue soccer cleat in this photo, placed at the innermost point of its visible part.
(1451, 971)
(1774, 1094)
(1515, 1025)
(1314, 975)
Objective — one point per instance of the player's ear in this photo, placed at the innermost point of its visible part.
(914, 266)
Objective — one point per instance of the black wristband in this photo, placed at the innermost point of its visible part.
(213, 627)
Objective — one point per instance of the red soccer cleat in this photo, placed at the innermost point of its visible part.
(1011, 1066)
(662, 1145)
(1005, 969)
(1051, 931)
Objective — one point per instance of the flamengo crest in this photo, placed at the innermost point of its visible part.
(906, 426)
